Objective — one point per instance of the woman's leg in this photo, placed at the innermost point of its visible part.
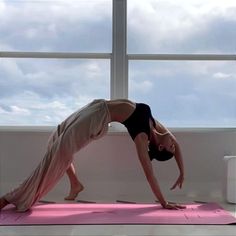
(75, 186)
(49, 171)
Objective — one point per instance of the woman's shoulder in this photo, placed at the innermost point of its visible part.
(160, 127)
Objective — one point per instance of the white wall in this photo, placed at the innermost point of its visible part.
(109, 167)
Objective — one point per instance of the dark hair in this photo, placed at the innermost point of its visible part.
(155, 153)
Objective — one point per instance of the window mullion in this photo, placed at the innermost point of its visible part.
(119, 60)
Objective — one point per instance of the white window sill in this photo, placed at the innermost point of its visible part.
(117, 129)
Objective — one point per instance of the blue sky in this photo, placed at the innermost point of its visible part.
(44, 92)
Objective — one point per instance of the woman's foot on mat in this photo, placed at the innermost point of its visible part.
(3, 203)
(74, 193)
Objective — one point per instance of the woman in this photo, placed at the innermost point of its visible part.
(152, 140)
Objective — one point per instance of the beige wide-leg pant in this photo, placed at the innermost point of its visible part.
(83, 126)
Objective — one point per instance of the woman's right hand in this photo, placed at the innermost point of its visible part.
(173, 206)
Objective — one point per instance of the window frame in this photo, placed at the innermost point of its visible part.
(119, 58)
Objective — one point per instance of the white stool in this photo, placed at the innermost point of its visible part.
(231, 178)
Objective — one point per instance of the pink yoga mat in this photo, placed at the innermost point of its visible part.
(106, 214)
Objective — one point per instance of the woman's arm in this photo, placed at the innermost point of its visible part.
(177, 155)
(141, 142)
(179, 161)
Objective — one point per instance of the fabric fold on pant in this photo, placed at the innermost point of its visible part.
(80, 128)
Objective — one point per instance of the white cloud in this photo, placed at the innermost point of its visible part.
(144, 86)
(2, 7)
(19, 110)
(31, 33)
(179, 26)
(55, 25)
(220, 75)
(2, 111)
(11, 69)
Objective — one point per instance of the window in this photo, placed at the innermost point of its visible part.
(56, 25)
(176, 55)
(186, 93)
(45, 91)
(181, 26)
(183, 93)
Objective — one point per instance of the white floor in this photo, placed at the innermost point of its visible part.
(122, 230)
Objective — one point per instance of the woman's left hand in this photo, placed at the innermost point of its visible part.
(179, 182)
(173, 206)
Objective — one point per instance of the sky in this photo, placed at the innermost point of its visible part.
(180, 93)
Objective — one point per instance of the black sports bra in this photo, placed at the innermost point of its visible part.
(138, 121)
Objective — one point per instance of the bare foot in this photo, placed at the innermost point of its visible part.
(74, 192)
(3, 203)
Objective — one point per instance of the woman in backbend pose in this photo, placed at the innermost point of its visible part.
(152, 141)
